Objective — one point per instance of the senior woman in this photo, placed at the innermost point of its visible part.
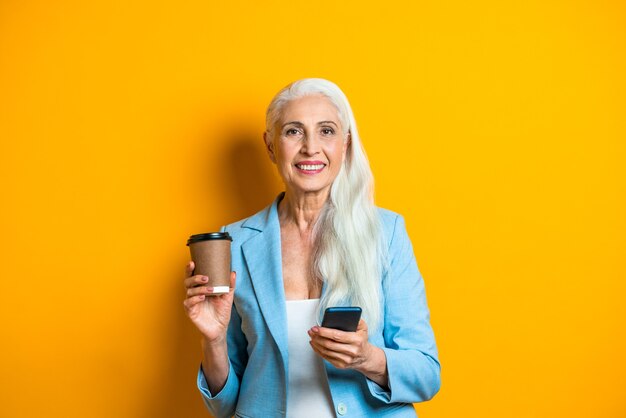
(321, 243)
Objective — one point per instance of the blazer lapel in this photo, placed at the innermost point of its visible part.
(262, 254)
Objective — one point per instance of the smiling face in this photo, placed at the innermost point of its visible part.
(308, 145)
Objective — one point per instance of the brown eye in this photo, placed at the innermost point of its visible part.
(327, 131)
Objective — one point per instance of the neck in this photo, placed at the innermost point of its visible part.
(302, 209)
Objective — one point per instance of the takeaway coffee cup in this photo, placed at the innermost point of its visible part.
(210, 253)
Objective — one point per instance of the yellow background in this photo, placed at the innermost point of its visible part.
(496, 128)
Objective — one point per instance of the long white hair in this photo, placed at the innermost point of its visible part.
(349, 252)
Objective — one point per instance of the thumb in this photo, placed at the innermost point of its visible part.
(233, 280)
(362, 326)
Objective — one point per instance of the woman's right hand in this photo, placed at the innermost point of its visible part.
(210, 314)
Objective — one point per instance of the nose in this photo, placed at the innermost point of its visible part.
(311, 145)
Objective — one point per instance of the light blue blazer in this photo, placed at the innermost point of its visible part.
(257, 336)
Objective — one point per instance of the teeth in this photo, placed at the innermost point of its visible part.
(310, 167)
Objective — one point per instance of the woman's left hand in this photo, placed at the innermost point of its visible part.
(350, 350)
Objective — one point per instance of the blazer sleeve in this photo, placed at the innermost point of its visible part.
(412, 359)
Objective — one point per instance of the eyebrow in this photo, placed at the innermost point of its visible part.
(297, 123)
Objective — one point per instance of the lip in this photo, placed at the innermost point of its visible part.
(310, 162)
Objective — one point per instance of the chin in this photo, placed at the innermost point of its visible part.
(310, 188)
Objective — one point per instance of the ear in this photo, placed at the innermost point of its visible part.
(347, 143)
(269, 146)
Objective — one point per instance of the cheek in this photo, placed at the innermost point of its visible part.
(340, 151)
(284, 154)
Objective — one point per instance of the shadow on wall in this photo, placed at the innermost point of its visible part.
(253, 183)
(249, 185)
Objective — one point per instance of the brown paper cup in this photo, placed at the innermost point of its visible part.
(211, 254)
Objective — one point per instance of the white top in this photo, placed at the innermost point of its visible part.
(308, 394)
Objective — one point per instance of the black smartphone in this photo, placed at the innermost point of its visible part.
(344, 318)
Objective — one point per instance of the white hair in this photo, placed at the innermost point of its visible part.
(349, 252)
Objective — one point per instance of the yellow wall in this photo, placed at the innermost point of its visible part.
(497, 128)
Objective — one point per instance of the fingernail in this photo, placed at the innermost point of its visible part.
(205, 279)
(315, 329)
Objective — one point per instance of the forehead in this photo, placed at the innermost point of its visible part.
(311, 108)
